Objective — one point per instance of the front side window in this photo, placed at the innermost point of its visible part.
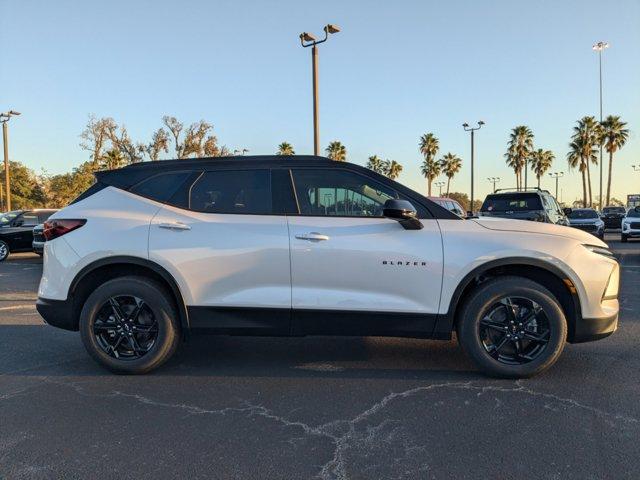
(239, 191)
(337, 192)
(7, 218)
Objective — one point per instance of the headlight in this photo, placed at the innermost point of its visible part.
(600, 250)
(611, 292)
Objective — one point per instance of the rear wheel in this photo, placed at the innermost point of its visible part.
(4, 250)
(129, 325)
(512, 327)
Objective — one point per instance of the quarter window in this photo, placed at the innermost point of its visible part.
(160, 187)
(340, 193)
(240, 192)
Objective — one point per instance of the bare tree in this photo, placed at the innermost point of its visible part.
(210, 147)
(95, 136)
(133, 152)
(175, 127)
(159, 143)
(195, 138)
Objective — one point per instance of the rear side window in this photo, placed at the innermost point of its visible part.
(160, 187)
(29, 219)
(239, 192)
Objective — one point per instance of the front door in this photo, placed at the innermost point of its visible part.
(354, 271)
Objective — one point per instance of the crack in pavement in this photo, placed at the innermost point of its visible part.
(343, 432)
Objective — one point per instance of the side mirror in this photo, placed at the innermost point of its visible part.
(403, 212)
(567, 211)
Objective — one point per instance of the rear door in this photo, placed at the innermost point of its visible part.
(354, 271)
(228, 251)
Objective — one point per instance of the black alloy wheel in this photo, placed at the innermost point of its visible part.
(125, 327)
(514, 331)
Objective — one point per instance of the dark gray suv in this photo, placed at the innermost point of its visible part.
(531, 204)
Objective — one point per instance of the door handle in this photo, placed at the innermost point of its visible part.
(174, 226)
(312, 237)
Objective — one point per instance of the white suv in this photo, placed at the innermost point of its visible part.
(290, 246)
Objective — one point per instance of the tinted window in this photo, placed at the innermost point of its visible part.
(244, 191)
(340, 193)
(613, 210)
(6, 218)
(511, 202)
(160, 187)
(284, 200)
(29, 219)
(575, 214)
(633, 213)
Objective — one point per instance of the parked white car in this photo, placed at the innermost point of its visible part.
(307, 246)
(631, 224)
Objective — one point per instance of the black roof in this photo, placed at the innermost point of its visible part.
(247, 161)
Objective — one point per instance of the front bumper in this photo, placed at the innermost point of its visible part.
(38, 247)
(591, 329)
(613, 222)
(57, 313)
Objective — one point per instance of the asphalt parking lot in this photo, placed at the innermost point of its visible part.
(334, 408)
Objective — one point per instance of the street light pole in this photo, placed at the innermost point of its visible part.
(308, 40)
(599, 47)
(4, 118)
(472, 130)
(556, 175)
(494, 180)
(440, 185)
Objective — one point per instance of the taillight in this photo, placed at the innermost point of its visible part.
(57, 228)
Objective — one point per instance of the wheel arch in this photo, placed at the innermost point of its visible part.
(90, 276)
(545, 273)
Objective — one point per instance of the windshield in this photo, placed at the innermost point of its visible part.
(517, 202)
(5, 218)
(606, 210)
(583, 214)
(633, 213)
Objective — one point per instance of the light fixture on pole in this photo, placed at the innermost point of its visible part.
(440, 185)
(4, 118)
(600, 47)
(494, 180)
(467, 128)
(556, 175)
(240, 152)
(308, 40)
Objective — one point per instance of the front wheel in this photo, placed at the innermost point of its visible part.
(130, 325)
(512, 327)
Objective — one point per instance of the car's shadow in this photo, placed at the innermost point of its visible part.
(40, 350)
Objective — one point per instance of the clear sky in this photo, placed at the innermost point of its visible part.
(397, 70)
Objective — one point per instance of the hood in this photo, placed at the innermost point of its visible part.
(507, 225)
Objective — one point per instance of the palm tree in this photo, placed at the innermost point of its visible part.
(588, 130)
(376, 164)
(430, 170)
(613, 137)
(336, 151)
(576, 160)
(112, 159)
(285, 149)
(392, 169)
(450, 164)
(519, 150)
(429, 146)
(541, 161)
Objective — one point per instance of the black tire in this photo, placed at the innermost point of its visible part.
(474, 331)
(623, 238)
(4, 251)
(160, 313)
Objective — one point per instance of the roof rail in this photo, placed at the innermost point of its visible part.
(521, 189)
